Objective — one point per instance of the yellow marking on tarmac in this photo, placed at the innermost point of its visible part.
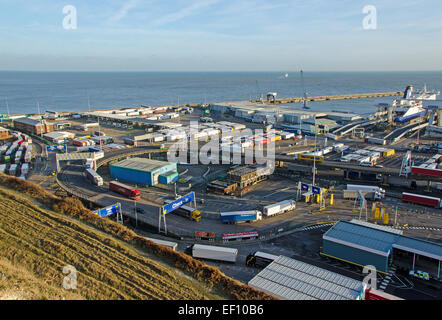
(357, 264)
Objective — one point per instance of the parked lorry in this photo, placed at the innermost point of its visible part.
(212, 253)
(279, 208)
(240, 216)
(125, 190)
(423, 200)
(379, 192)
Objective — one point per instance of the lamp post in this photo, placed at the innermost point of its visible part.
(136, 212)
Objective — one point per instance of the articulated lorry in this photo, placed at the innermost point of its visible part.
(125, 190)
(240, 216)
(212, 253)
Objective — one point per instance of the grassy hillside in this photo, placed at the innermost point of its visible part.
(41, 233)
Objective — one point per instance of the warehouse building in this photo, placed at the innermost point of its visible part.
(290, 279)
(144, 171)
(362, 243)
(36, 127)
(4, 134)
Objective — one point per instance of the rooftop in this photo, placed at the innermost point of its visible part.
(362, 237)
(141, 164)
(290, 279)
(380, 239)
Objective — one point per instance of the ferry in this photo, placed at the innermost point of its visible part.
(424, 94)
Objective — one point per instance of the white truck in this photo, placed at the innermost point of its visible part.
(372, 192)
(212, 253)
(279, 208)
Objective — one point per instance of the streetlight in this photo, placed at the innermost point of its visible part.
(136, 212)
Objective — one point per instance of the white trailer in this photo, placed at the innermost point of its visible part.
(279, 208)
(369, 195)
(169, 244)
(379, 192)
(213, 253)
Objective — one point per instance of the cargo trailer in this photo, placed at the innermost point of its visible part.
(279, 208)
(125, 190)
(13, 170)
(94, 177)
(260, 259)
(352, 187)
(169, 244)
(369, 195)
(240, 216)
(422, 200)
(212, 253)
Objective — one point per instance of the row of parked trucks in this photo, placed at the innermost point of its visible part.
(272, 210)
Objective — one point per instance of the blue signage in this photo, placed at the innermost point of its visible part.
(304, 187)
(56, 148)
(178, 203)
(108, 211)
(316, 190)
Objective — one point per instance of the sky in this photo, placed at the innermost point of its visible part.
(221, 35)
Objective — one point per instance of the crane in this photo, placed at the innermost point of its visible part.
(305, 99)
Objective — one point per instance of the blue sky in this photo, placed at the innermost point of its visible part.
(221, 35)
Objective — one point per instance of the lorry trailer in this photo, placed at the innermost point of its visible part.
(94, 177)
(260, 259)
(369, 195)
(169, 244)
(423, 200)
(279, 208)
(379, 192)
(125, 190)
(240, 216)
(212, 253)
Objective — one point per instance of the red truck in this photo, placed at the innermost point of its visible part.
(125, 190)
(423, 200)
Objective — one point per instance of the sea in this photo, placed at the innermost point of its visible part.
(22, 92)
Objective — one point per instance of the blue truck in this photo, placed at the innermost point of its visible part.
(240, 216)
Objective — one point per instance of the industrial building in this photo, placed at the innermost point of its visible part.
(362, 243)
(289, 279)
(4, 134)
(36, 127)
(144, 171)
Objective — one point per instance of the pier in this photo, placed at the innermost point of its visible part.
(338, 97)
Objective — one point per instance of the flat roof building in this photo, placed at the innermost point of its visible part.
(29, 125)
(144, 171)
(363, 244)
(290, 279)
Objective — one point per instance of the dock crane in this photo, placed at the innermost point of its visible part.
(305, 99)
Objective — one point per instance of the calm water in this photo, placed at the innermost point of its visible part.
(68, 91)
